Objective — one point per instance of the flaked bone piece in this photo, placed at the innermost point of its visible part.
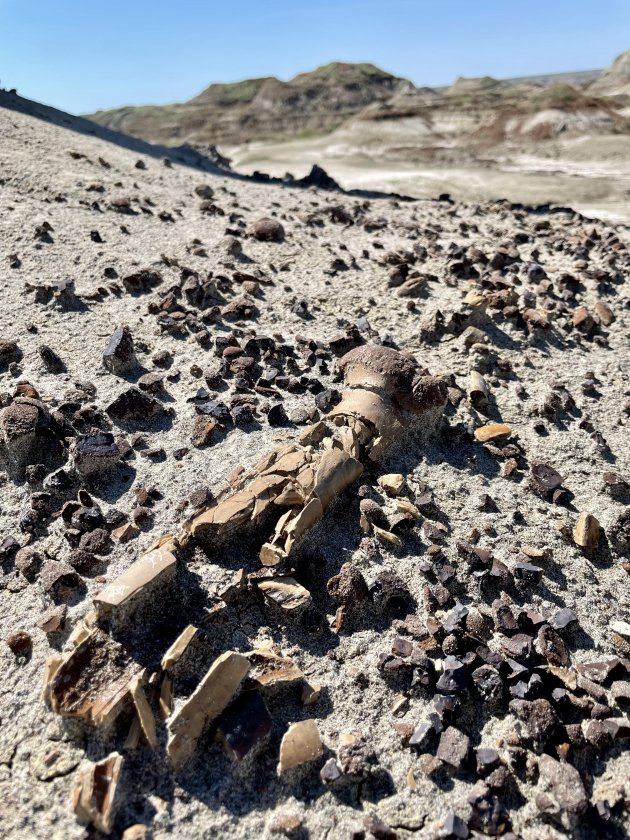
(158, 563)
(285, 592)
(94, 796)
(212, 695)
(301, 743)
(178, 648)
(273, 669)
(93, 681)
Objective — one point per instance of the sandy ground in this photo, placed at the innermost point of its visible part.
(40, 181)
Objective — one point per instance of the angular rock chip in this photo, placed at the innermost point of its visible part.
(300, 744)
(552, 647)
(454, 747)
(134, 405)
(94, 452)
(94, 797)
(119, 356)
(210, 698)
(245, 724)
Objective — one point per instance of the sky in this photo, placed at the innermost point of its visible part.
(82, 55)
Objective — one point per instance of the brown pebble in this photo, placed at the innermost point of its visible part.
(20, 642)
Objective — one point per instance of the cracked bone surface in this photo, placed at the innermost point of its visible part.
(386, 394)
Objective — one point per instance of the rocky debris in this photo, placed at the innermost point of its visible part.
(300, 744)
(119, 356)
(484, 635)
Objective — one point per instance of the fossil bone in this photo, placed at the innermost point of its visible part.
(293, 486)
(205, 704)
(386, 394)
(94, 794)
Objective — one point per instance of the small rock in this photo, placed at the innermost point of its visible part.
(53, 619)
(94, 453)
(563, 783)
(349, 586)
(97, 542)
(491, 431)
(58, 578)
(133, 405)
(538, 717)
(52, 361)
(20, 642)
(119, 356)
(84, 562)
(453, 747)
(267, 230)
(203, 431)
(29, 562)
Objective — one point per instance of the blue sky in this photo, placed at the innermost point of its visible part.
(80, 55)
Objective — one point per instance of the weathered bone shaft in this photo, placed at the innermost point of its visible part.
(386, 394)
